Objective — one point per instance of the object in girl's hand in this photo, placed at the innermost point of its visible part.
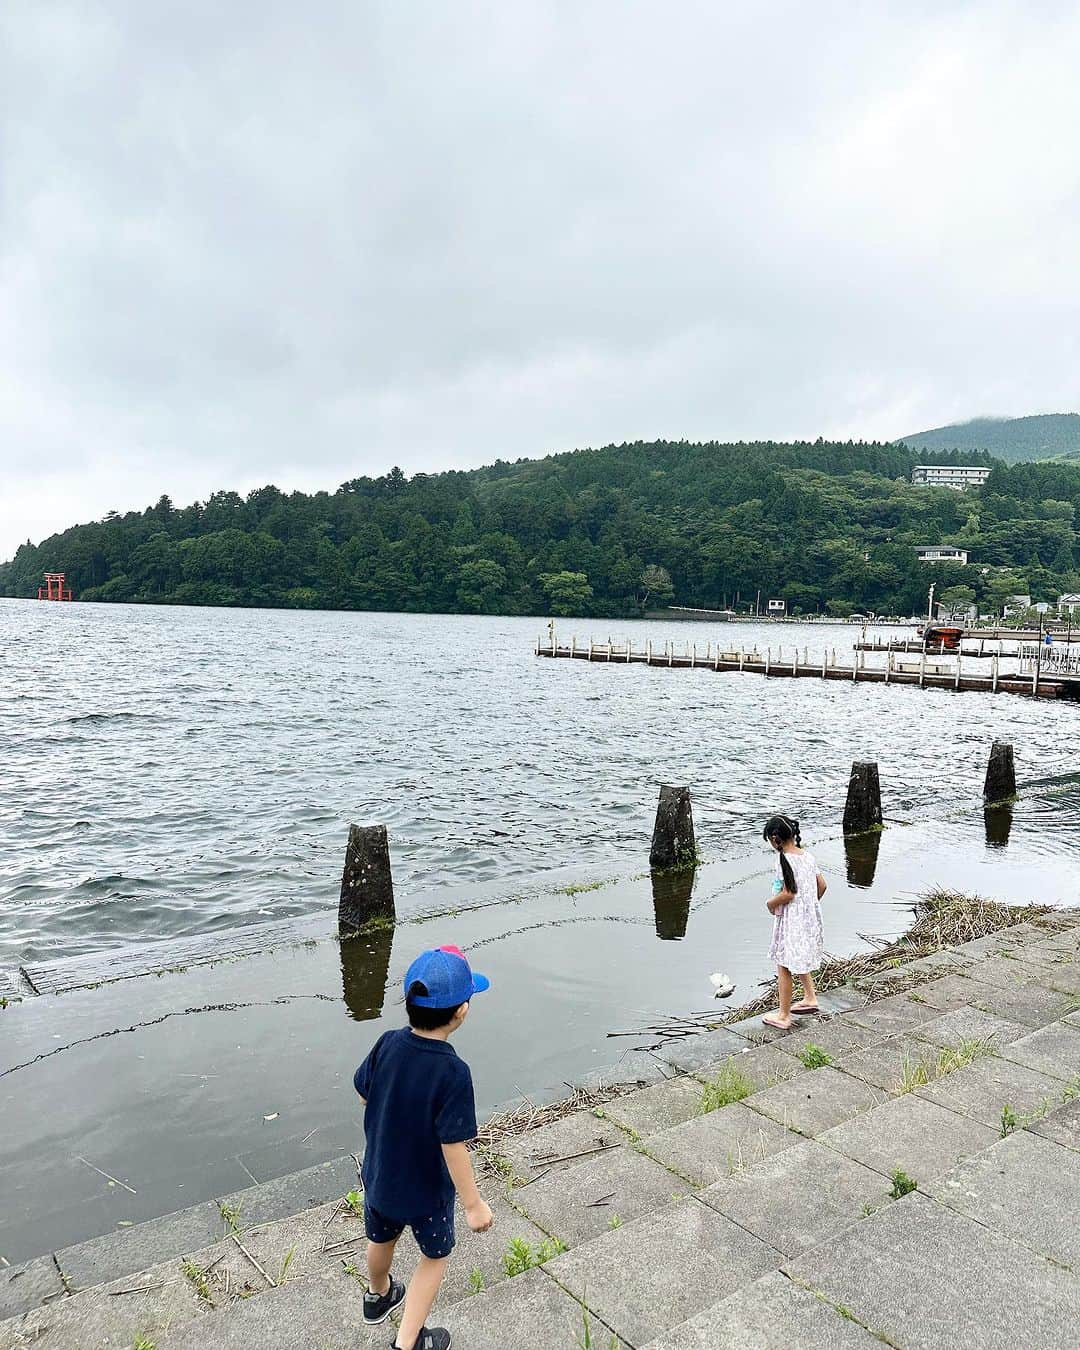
(723, 985)
(777, 885)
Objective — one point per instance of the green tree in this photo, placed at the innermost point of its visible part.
(480, 586)
(656, 585)
(567, 592)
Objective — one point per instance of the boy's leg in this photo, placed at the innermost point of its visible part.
(379, 1257)
(423, 1287)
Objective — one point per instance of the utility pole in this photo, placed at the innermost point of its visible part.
(930, 601)
(757, 604)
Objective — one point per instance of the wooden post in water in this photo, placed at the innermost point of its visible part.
(673, 843)
(1000, 783)
(862, 811)
(367, 886)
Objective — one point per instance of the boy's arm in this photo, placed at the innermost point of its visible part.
(459, 1165)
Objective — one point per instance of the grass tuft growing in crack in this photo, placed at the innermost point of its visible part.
(729, 1085)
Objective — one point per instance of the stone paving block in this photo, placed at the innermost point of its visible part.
(26, 1286)
(656, 1108)
(1033, 1005)
(911, 1133)
(310, 1313)
(761, 1065)
(160, 1300)
(532, 1153)
(816, 1100)
(893, 1015)
(887, 1064)
(951, 991)
(796, 1198)
(715, 1145)
(1004, 937)
(1009, 969)
(969, 1024)
(1062, 1124)
(652, 1274)
(295, 1192)
(581, 1202)
(930, 1279)
(981, 1089)
(834, 1036)
(529, 1310)
(1064, 976)
(637, 1067)
(754, 1030)
(770, 1314)
(1054, 1050)
(691, 1052)
(1017, 1188)
(130, 1249)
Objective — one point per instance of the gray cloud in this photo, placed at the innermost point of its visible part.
(255, 242)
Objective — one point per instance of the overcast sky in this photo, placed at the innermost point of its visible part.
(263, 242)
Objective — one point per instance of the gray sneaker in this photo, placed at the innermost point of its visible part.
(430, 1338)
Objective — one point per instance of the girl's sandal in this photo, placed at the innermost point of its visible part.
(775, 1024)
(804, 1011)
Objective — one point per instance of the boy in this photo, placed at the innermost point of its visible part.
(418, 1114)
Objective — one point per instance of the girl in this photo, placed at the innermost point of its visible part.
(795, 903)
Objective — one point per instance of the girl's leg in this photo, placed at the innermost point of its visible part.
(423, 1287)
(379, 1256)
(784, 989)
(809, 998)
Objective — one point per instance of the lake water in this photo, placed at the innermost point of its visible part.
(177, 772)
(172, 771)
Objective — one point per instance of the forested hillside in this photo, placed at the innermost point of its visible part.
(1012, 439)
(829, 527)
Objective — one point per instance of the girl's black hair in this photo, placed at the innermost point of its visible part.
(784, 830)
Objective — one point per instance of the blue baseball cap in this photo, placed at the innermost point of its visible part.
(446, 975)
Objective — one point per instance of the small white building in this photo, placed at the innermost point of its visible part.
(957, 476)
(1016, 604)
(776, 607)
(942, 553)
(1068, 603)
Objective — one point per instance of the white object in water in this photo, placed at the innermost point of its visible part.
(723, 985)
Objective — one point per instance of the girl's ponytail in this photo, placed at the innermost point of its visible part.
(783, 830)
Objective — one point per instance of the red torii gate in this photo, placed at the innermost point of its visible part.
(54, 588)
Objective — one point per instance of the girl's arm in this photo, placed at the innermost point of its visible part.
(822, 885)
(777, 902)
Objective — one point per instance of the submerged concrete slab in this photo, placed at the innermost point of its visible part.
(295, 1192)
(636, 1067)
(925, 1277)
(715, 1145)
(691, 1052)
(1016, 1188)
(131, 1249)
(652, 1274)
(770, 1314)
(29, 1285)
(815, 1101)
(982, 1089)
(798, 1197)
(656, 1108)
(1061, 1124)
(598, 1194)
(1053, 1050)
(920, 1137)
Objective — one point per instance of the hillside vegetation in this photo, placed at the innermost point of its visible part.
(1012, 439)
(830, 527)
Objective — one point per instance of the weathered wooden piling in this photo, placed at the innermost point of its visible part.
(862, 811)
(367, 886)
(673, 842)
(1000, 784)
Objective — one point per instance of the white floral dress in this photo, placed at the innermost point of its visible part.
(798, 940)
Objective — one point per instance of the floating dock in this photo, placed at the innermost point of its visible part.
(928, 672)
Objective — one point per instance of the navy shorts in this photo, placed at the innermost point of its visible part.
(434, 1234)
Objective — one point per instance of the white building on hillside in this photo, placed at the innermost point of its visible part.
(1068, 603)
(942, 553)
(958, 476)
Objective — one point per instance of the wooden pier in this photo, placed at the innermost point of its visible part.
(928, 672)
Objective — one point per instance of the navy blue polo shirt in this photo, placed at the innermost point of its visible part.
(419, 1096)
